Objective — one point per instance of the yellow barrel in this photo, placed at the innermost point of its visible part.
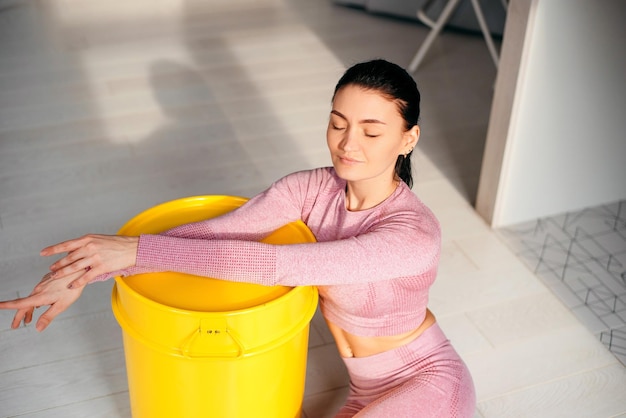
(202, 347)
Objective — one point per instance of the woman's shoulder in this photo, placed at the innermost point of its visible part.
(408, 203)
(319, 173)
(322, 178)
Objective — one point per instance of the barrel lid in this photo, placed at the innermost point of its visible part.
(194, 293)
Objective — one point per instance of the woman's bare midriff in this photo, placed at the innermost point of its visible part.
(350, 345)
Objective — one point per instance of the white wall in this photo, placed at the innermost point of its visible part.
(566, 139)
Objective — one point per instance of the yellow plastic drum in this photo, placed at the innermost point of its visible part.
(201, 347)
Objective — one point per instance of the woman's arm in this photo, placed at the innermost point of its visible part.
(100, 257)
(392, 250)
(280, 204)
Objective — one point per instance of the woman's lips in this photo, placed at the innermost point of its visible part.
(348, 161)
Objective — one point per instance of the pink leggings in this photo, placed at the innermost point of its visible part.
(425, 378)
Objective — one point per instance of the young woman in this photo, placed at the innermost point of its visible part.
(375, 258)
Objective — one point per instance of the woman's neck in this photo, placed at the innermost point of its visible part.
(362, 195)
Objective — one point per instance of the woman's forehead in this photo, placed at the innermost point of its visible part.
(356, 102)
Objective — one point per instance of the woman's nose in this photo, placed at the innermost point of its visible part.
(349, 141)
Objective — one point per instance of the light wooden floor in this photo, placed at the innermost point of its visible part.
(108, 108)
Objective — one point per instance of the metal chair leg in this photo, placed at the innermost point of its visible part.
(436, 28)
(485, 30)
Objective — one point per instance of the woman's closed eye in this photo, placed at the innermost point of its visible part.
(372, 135)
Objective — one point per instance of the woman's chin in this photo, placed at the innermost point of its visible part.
(343, 171)
(347, 175)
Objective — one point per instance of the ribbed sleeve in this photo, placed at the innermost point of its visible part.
(241, 261)
(369, 258)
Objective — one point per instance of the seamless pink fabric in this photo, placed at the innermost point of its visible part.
(423, 379)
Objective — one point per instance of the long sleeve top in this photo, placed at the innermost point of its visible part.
(373, 267)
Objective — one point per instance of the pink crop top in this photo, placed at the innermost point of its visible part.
(373, 268)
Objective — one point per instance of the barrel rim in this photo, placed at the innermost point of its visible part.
(119, 281)
(140, 217)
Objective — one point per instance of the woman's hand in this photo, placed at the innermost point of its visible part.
(92, 255)
(55, 293)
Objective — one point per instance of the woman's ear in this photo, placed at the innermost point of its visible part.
(410, 138)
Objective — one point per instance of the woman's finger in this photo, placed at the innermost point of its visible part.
(47, 317)
(28, 317)
(83, 280)
(68, 260)
(63, 247)
(82, 266)
(24, 303)
(17, 319)
(77, 258)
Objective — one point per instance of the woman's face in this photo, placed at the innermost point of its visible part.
(366, 134)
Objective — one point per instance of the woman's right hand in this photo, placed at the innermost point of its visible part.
(54, 293)
(92, 255)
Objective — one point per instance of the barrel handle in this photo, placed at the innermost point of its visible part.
(211, 328)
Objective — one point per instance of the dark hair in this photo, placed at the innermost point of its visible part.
(397, 85)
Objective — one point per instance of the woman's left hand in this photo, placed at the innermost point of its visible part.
(92, 255)
(48, 292)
